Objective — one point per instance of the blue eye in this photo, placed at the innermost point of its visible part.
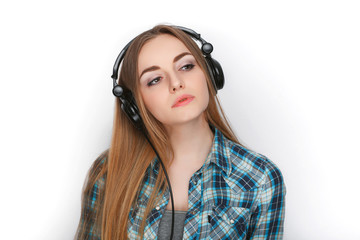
(153, 82)
(187, 67)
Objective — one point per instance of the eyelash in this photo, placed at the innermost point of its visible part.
(149, 84)
(187, 67)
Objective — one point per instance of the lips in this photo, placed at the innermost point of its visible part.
(183, 100)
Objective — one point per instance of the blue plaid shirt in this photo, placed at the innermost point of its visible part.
(236, 194)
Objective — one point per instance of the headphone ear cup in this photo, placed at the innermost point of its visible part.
(216, 73)
(132, 113)
(128, 106)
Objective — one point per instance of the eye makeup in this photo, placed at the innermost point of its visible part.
(184, 62)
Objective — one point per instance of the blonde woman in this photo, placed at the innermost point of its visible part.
(219, 189)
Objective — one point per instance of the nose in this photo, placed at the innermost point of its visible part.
(176, 84)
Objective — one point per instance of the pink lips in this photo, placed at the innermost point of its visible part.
(183, 100)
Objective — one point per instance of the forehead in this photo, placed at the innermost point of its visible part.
(160, 49)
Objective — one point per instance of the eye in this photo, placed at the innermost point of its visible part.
(187, 67)
(153, 82)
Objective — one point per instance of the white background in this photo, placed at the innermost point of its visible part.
(291, 93)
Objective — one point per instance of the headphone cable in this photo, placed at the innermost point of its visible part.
(168, 180)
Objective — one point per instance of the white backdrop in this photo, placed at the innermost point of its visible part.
(291, 93)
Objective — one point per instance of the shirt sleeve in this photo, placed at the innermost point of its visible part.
(267, 222)
(88, 228)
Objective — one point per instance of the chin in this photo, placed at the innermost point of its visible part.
(188, 118)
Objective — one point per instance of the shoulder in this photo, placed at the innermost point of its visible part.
(99, 162)
(251, 168)
(93, 191)
(96, 175)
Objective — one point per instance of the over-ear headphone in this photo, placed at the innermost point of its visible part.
(126, 97)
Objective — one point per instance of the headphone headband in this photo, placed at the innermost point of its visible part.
(206, 50)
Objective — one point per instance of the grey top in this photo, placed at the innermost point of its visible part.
(165, 225)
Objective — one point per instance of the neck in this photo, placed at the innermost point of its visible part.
(191, 143)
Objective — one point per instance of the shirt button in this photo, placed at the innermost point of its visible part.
(157, 208)
(195, 182)
(231, 221)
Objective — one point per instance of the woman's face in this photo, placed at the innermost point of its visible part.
(172, 84)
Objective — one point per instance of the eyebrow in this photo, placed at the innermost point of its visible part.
(153, 68)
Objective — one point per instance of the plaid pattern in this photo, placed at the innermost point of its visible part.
(236, 194)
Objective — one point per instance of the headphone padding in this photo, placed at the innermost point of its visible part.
(216, 73)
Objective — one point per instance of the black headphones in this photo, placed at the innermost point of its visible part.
(126, 97)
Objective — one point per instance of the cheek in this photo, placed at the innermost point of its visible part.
(204, 90)
(206, 97)
(152, 102)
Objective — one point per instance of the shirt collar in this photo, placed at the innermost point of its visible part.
(219, 154)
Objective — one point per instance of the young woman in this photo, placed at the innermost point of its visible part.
(220, 189)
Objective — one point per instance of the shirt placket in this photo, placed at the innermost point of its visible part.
(192, 219)
(152, 230)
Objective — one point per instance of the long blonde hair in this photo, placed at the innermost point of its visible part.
(130, 154)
